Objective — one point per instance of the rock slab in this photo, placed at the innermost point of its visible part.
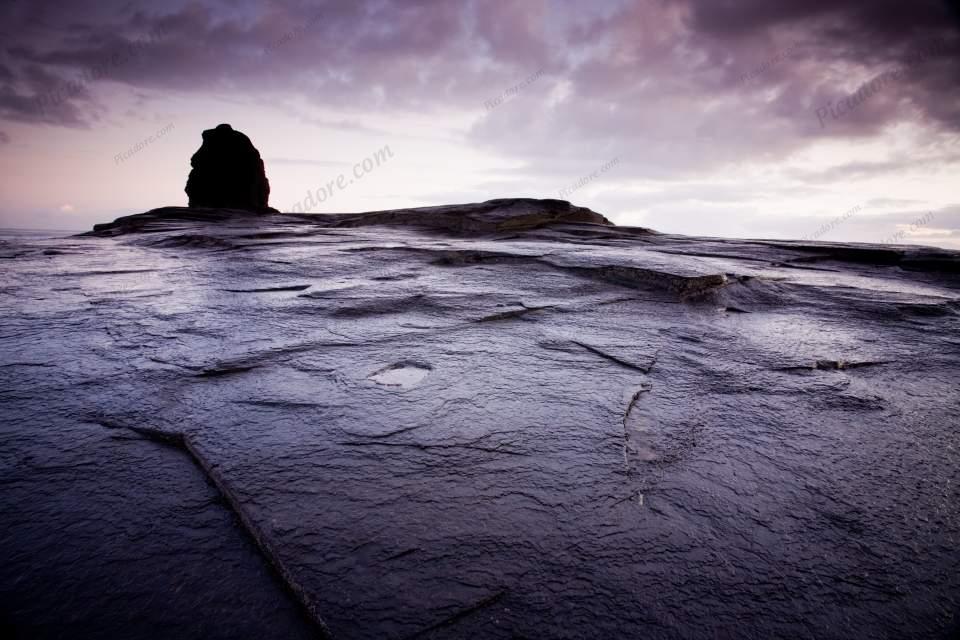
(498, 420)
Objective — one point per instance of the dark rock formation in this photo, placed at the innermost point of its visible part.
(228, 173)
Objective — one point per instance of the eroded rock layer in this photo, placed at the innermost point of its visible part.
(502, 420)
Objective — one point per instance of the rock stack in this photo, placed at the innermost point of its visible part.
(228, 173)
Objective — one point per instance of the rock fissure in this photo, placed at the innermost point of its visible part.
(183, 443)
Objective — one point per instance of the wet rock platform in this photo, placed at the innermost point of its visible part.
(503, 420)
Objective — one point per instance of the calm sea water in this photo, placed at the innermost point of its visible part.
(36, 234)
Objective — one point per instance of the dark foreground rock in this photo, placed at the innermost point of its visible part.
(228, 173)
(510, 420)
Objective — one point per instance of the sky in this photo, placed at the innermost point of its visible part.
(834, 120)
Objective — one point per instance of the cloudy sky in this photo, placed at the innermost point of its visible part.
(833, 119)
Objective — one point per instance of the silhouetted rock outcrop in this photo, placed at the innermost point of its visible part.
(228, 173)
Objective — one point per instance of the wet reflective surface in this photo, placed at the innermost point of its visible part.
(481, 427)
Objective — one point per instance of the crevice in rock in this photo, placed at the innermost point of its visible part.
(708, 254)
(428, 447)
(791, 265)
(630, 496)
(833, 365)
(292, 287)
(402, 554)
(283, 404)
(171, 364)
(460, 615)
(225, 371)
(108, 272)
(615, 359)
(513, 313)
(389, 434)
(626, 431)
(27, 364)
(183, 443)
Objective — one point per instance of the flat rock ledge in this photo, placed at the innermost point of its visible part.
(496, 420)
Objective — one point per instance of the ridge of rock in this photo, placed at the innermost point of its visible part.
(504, 214)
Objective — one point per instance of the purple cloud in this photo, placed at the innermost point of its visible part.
(659, 85)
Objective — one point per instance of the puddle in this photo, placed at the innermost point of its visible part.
(403, 374)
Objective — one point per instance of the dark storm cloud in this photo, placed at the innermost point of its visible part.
(874, 20)
(666, 89)
(881, 35)
(658, 83)
(413, 54)
(51, 99)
